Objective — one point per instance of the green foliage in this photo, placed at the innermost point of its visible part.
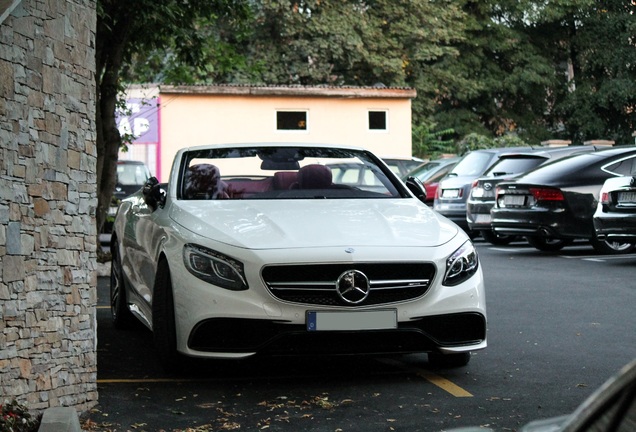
(475, 141)
(149, 34)
(15, 417)
(430, 144)
(496, 68)
(602, 98)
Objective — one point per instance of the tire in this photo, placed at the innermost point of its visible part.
(122, 318)
(163, 320)
(548, 244)
(448, 361)
(611, 248)
(497, 239)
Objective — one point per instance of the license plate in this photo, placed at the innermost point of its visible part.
(627, 197)
(478, 192)
(345, 320)
(483, 218)
(450, 193)
(514, 200)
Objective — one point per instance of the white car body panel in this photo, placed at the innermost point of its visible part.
(298, 223)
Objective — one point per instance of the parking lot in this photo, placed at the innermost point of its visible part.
(559, 326)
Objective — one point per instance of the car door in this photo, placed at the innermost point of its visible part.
(139, 243)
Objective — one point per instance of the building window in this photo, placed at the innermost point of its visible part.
(291, 120)
(377, 120)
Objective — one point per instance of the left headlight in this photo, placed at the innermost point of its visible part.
(461, 265)
(214, 267)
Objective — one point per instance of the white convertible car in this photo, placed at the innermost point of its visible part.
(255, 248)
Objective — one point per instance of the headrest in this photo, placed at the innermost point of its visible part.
(314, 176)
(203, 181)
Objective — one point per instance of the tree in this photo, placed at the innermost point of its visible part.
(128, 27)
(318, 42)
(601, 98)
(502, 79)
(558, 69)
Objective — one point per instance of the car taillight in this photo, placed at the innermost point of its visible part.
(605, 198)
(547, 194)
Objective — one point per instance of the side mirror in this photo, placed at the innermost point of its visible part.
(417, 188)
(153, 195)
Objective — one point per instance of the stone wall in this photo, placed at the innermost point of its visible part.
(47, 205)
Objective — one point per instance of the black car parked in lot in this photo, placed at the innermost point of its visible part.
(554, 204)
(481, 198)
(615, 217)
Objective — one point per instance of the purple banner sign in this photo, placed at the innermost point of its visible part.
(140, 119)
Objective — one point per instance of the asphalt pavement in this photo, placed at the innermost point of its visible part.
(557, 331)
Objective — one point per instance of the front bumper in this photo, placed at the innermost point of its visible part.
(424, 334)
(217, 323)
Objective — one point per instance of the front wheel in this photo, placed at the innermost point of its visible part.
(163, 320)
(445, 361)
(548, 244)
(611, 248)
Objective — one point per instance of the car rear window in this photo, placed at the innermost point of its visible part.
(473, 164)
(514, 165)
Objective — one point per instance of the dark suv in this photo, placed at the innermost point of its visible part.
(452, 191)
(481, 198)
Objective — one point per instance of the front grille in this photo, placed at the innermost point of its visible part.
(315, 284)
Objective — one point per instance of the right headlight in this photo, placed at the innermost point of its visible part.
(461, 265)
(214, 267)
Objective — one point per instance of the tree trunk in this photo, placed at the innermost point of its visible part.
(111, 39)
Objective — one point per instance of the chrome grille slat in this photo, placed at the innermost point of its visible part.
(316, 284)
(396, 283)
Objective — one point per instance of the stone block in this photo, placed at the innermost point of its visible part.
(60, 419)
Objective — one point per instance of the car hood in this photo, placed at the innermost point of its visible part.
(314, 223)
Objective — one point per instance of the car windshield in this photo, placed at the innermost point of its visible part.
(284, 173)
(132, 174)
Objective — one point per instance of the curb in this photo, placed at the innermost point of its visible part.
(60, 419)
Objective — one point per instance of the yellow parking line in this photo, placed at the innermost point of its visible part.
(145, 380)
(444, 384)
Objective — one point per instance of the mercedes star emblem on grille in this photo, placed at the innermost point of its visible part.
(353, 286)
